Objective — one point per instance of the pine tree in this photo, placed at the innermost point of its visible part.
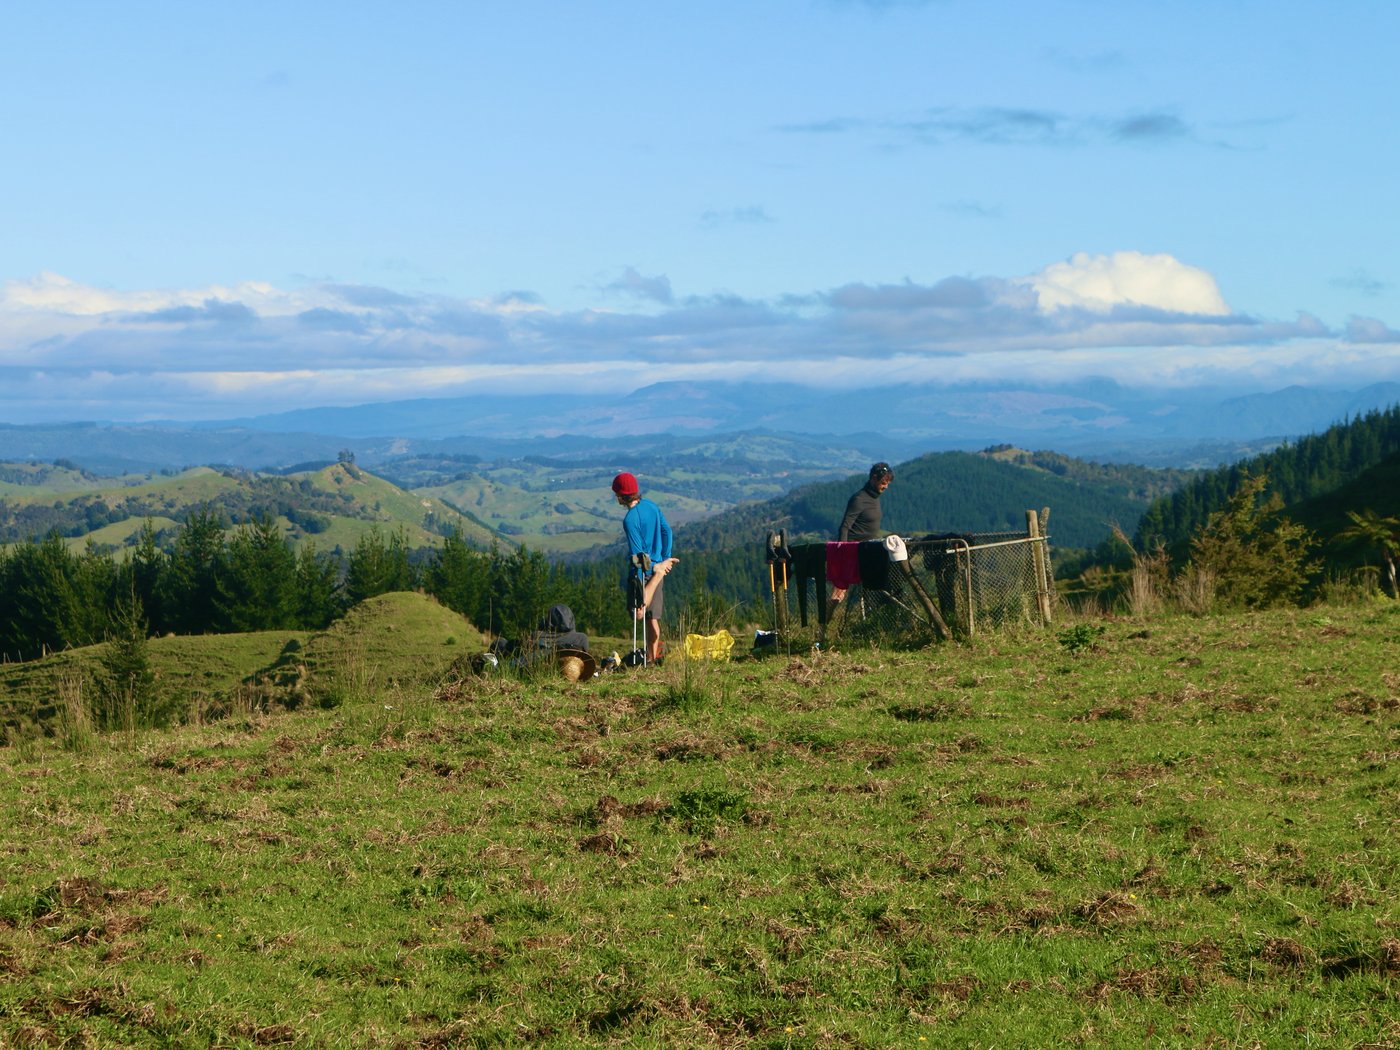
(126, 696)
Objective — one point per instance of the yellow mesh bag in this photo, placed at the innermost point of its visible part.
(708, 646)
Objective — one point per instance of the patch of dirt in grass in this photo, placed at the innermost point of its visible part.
(865, 787)
(608, 812)
(444, 769)
(266, 1035)
(602, 842)
(589, 758)
(1348, 895)
(91, 1002)
(689, 747)
(1110, 713)
(576, 728)
(1109, 908)
(1140, 771)
(109, 929)
(11, 966)
(792, 940)
(1148, 982)
(931, 711)
(191, 763)
(1244, 705)
(1285, 953)
(259, 777)
(801, 672)
(1038, 917)
(1378, 760)
(876, 757)
(936, 868)
(1356, 702)
(87, 899)
(955, 989)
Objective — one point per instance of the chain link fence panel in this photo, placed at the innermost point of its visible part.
(953, 585)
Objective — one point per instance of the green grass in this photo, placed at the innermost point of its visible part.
(1182, 832)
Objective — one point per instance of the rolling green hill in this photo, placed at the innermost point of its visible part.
(333, 506)
(560, 502)
(559, 511)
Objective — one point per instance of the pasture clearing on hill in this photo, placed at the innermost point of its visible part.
(1169, 832)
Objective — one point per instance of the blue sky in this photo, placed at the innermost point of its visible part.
(208, 210)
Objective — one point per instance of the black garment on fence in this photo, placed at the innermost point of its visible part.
(874, 561)
(809, 563)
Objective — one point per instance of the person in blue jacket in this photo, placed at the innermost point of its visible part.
(648, 533)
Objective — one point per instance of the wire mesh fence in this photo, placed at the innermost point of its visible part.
(951, 585)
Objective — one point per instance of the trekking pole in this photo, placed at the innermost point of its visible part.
(637, 605)
(778, 558)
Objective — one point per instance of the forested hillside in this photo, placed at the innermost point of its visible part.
(958, 492)
(1333, 462)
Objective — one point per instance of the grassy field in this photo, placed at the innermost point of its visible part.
(1176, 832)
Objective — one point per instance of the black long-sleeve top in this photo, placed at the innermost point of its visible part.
(862, 518)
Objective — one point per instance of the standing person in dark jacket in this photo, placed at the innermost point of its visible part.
(648, 533)
(862, 519)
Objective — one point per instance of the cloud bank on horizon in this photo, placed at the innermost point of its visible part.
(69, 351)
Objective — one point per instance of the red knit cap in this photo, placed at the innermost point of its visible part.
(625, 484)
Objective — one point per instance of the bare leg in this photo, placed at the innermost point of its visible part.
(648, 591)
(653, 641)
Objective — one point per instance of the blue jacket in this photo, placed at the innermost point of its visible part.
(647, 531)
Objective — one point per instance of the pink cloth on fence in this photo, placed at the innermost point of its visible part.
(843, 563)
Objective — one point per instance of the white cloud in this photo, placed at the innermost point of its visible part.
(54, 293)
(69, 351)
(1101, 282)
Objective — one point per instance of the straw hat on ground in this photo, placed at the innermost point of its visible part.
(577, 664)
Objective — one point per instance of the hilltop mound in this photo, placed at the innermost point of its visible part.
(397, 638)
(388, 641)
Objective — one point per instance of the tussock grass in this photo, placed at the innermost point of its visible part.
(1183, 833)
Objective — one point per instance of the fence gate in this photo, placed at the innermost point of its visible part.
(951, 584)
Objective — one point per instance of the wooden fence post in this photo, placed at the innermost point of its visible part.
(1038, 561)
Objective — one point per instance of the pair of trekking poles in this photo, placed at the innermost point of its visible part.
(636, 608)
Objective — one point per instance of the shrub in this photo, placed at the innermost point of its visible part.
(1257, 557)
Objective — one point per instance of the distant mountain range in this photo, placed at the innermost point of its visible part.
(1097, 420)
